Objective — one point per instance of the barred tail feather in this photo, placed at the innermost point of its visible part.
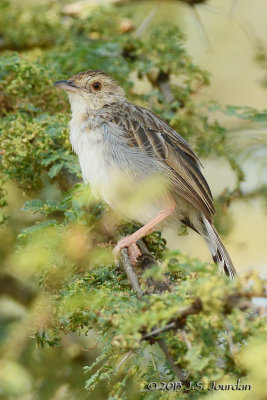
(218, 251)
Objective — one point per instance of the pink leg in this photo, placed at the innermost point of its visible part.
(130, 241)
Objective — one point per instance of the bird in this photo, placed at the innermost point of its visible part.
(127, 152)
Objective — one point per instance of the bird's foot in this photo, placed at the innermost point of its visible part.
(130, 241)
(134, 252)
(133, 249)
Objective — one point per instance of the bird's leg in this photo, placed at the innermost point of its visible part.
(130, 241)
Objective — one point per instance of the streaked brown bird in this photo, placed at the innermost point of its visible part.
(123, 147)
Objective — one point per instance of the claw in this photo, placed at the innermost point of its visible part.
(134, 253)
(130, 241)
(133, 249)
(124, 242)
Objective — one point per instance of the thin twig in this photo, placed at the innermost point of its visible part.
(130, 273)
(158, 331)
(145, 23)
(202, 27)
(213, 9)
(123, 360)
(233, 8)
(194, 308)
(229, 336)
(177, 370)
(165, 89)
(162, 82)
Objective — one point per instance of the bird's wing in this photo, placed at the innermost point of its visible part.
(151, 134)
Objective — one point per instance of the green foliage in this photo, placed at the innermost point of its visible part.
(27, 84)
(32, 145)
(101, 300)
(28, 24)
(62, 286)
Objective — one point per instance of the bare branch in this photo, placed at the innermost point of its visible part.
(193, 308)
(158, 331)
(123, 360)
(202, 27)
(177, 370)
(130, 273)
(161, 81)
(141, 29)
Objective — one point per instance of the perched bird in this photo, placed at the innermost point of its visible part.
(123, 147)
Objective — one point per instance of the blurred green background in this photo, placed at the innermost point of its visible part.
(214, 56)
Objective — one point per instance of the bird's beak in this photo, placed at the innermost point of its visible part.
(66, 85)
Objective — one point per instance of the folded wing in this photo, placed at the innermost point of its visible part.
(152, 135)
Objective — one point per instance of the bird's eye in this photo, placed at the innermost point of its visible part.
(97, 86)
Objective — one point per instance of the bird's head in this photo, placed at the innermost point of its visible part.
(91, 90)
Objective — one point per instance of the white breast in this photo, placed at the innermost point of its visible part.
(90, 147)
(117, 173)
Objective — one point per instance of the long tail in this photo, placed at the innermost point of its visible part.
(218, 251)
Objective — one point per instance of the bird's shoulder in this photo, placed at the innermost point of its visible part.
(148, 131)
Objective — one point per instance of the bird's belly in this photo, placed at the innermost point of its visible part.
(96, 168)
(129, 191)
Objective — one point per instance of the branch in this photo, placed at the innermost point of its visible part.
(175, 367)
(145, 23)
(162, 82)
(123, 360)
(179, 321)
(130, 273)
(202, 27)
(147, 260)
(158, 331)
(243, 303)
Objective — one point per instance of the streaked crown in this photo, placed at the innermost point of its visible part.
(97, 88)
